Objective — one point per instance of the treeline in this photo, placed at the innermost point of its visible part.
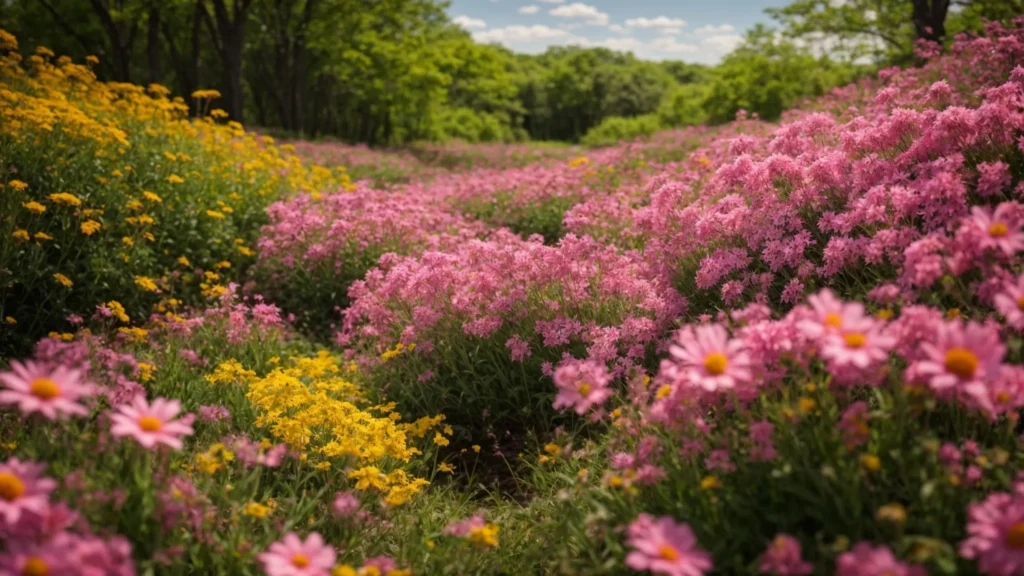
(396, 71)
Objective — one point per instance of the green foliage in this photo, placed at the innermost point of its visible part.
(614, 129)
(684, 106)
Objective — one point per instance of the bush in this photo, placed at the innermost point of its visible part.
(615, 129)
(111, 193)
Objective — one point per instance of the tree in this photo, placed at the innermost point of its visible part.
(227, 32)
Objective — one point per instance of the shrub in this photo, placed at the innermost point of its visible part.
(615, 129)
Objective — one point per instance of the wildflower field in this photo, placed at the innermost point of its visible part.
(756, 348)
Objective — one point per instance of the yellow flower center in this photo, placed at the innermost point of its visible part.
(300, 561)
(1015, 536)
(962, 362)
(35, 566)
(855, 339)
(11, 487)
(583, 388)
(833, 321)
(150, 424)
(997, 230)
(44, 388)
(669, 553)
(1020, 302)
(716, 363)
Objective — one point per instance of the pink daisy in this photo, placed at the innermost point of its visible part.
(295, 557)
(581, 384)
(783, 558)
(1010, 303)
(34, 387)
(867, 560)
(963, 355)
(664, 547)
(861, 343)
(710, 359)
(345, 504)
(43, 559)
(829, 314)
(999, 229)
(995, 535)
(22, 490)
(149, 424)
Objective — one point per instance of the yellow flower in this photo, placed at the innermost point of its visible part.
(553, 449)
(145, 283)
(21, 235)
(90, 59)
(244, 251)
(118, 310)
(175, 179)
(223, 264)
(343, 570)
(215, 214)
(146, 371)
(128, 241)
(184, 261)
(870, 462)
(134, 334)
(90, 227)
(710, 483)
(256, 510)
(439, 439)
(485, 536)
(34, 207)
(17, 185)
(151, 196)
(476, 448)
(445, 467)
(10, 320)
(63, 280)
(42, 236)
(368, 477)
(65, 199)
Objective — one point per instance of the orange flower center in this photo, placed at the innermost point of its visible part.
(11, 487)
(669, 553)
(833, 321)
(1003, 397)
(150, 424)
(997, 230)
(44, 388)
(583, 388)
(35, 566)
(300, 561)
(1015, 536)
(1020, 302)
(962, 362)
(716, 363)
(855, 339)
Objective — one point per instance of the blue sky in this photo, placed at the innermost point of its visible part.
(691, 30)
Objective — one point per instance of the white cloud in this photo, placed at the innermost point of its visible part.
(670, 31)
(587, 13)
(722, 42)
(531, 9)
(470, 23)
(553, 1)
(511, 34)
(616, 28)
(711, 30)
(659, 22)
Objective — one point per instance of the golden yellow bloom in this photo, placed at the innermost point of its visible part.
(17, 185)
(368, 477)
(476, 448)
(184, 261)
(127, 241)
(203, 94)
(175, 179)
(21, 235)
(146, 371)
(65, 199)
(439, 439)
(710, 483)
(215, 214)
(91, 59)
(10, 320)
(34, 207)
(118, 310)
(63, 280)
(445, 467)
(343, 570)
(90, 227)
(42, 236)
(133, 205)
(245, 251)
(145, 283)
(870, 462)
(134, 334)
(256, 510)
(553, 449)
(151, 196)
(485, 536)
(223, 264)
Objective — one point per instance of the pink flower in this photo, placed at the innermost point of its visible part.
(582, 384)
(149, 424)
(345, 504)
(22, 490)
(36, 388)
(854, 424)
(663, 547)
(708, 358)
(861, 343)
(46, 559)
(783, 558)
(995, 535)
(462, 528)
(383, 564)
(1010, 303)
(999, 229)
(867, 560)
(831, 315)
(294, 557)
(963, 355)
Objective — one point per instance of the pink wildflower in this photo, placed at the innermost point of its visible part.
(292, 556)
(34, 387)
(964, 355)
(345, 504)
(45, 559)
(854, 424)
(709, 359)
(22, 490)
(152, 424)
(861, 343)
(1000, 229)
(462, 528)
(1010, 303)
(663, 547)
(581, 384)
(783, 558)
(831, 315)
(995, 535)
(867, 560)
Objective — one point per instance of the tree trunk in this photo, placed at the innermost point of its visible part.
(153, 44)
(120, 42)
(930, 19)
(229, 37)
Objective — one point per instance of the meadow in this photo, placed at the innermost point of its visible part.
(789, 347)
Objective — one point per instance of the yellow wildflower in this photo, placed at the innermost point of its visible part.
(256, 510)
(21, 235)
(42, 236)
(445, 467)
(34, 207)
(485, 536)
(175, 179)
(151, 196)
(63, 280)
(10, 320)
(118, 310)
(65, 199)
(127, 241)
(215, 214)
(90, 227)
(439, 439)
(145, 283)
(17, 185)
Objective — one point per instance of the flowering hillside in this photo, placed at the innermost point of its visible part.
(760, 348)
